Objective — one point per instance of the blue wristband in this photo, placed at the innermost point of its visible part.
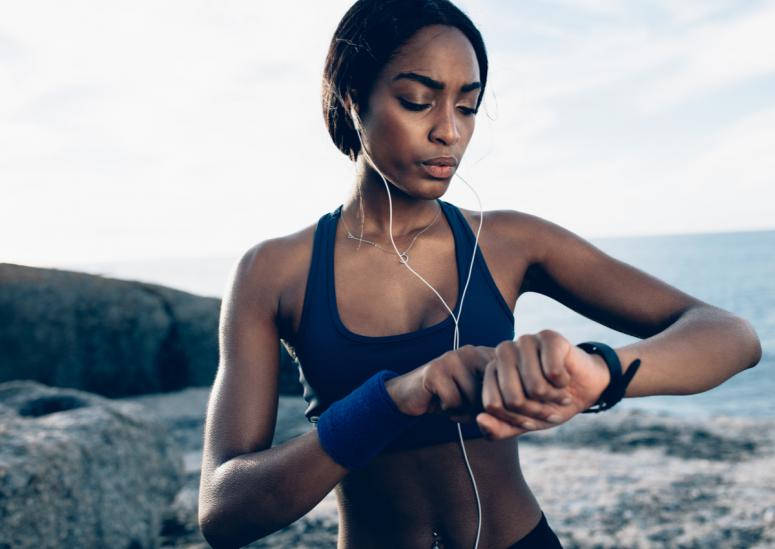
(355, 429)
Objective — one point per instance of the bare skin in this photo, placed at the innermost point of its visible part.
(401, 498)
(250, 489)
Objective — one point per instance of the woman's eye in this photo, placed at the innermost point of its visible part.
(467, 111)
(413, 106)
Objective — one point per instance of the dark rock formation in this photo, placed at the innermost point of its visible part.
(109, 336)
(78, 470)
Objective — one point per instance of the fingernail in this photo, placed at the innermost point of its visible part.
(566, 401)
(528, 425)
(554, 418)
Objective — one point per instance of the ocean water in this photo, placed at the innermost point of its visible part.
(734, 271)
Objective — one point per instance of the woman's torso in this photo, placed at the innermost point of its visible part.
(402, 497)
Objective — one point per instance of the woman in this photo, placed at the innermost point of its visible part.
(370, 298)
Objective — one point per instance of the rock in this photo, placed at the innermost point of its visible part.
(109, 336)
(638, 479)
(644, 498)
(618, 479)
(625, 431)
(183, 413)
(79, 470)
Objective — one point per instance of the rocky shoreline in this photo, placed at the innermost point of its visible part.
(619, 479)
(75, 467)
(81, 470)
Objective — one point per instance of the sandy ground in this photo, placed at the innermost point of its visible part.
(619, 479)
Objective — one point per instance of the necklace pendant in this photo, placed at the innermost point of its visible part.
(404, 258)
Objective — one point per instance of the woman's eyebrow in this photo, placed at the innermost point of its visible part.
(434, 84)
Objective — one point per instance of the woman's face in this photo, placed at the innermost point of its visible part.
(421, 111)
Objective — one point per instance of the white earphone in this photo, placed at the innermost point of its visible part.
(456, 341)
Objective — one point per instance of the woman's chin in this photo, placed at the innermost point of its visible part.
(435, 188)
(427, 192)
(425, 188)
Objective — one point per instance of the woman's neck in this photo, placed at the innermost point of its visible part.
(370, 206)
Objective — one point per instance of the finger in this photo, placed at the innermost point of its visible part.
(498, 426)
(491, 395)
(460, 379)
(534, 383)
(475, 358)
(553, 350)
(467, 386)
(488, 352)
(537, 416)
(495, 429)
(514, 396)
(507, 376)
(439, 383)
(494, 404)
(466, 366)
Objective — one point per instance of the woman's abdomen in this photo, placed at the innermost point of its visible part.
(401, 498)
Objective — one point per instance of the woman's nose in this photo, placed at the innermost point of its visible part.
(445, 130)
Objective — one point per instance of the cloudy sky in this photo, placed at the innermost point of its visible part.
(177, 129)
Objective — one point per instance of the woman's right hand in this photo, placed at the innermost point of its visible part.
(450, 384)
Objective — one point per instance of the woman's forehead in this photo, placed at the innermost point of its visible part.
(441, 52)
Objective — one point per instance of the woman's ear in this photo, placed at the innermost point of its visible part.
(351, 108)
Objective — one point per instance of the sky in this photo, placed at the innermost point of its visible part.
(152, 130)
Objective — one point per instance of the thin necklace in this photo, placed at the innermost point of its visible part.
(404, 257)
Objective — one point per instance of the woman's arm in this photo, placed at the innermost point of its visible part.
(688, 346)
(248, 489)
(703, 347)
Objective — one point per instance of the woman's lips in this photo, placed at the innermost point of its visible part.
(439, 172)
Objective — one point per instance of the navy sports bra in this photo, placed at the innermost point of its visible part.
(333, 361)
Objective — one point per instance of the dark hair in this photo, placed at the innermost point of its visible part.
(368, 36)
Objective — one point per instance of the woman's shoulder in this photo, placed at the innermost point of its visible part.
(278, 257)
(509, 220)
(510, 230)
(274, 270)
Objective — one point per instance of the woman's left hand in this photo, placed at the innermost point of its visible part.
(537, 382)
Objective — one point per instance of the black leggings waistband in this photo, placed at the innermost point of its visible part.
(540, 537)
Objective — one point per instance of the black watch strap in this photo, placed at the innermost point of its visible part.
(619, 382)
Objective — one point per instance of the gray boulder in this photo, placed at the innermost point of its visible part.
(109, 336)
(79, 470)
